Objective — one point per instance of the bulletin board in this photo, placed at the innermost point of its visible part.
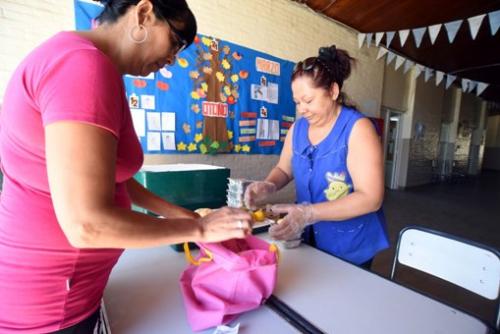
(218, 97)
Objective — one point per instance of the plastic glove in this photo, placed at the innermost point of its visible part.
(298, 216)
(256, 192)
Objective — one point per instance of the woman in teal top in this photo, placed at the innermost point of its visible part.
(334, 154)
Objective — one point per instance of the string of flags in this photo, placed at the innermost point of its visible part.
(451, 28)
(433, 30)
(468, 85)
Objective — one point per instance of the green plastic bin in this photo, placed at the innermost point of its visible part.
(191, 186)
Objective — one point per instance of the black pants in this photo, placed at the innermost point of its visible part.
(83, 327)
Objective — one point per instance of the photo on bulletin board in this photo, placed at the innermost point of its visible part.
(218, 97)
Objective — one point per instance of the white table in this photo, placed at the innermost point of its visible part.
(143, 297)
(340, 298)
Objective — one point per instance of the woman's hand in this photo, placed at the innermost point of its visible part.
(184, 213)
(296, 219)
(225, 223)
(256, 192)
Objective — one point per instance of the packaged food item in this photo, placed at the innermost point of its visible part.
(203, 211)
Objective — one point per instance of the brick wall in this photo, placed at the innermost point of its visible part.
(395, 92)
(492, 145)
(427, 113)
(279, 27)
(467, 123)
(23, 25)
(290, 31)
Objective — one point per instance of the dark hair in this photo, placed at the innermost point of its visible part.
(331, 66)
(167, 10)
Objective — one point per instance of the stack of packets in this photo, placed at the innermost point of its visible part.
(235, 192)
(235, 199)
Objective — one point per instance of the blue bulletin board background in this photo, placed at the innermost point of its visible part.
(219, 97)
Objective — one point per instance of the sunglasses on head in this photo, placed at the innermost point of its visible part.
(310, 64)
(306, 65)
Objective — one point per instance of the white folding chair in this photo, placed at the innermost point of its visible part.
(470, 265)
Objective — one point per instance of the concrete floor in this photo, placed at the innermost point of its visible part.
(468, 208)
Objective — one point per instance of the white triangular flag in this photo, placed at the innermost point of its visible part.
(475, 24)
(481, 86)
(390, 57)
(408, 65)
(388, 37)
(399, 61)
(378, 38)
(381, 53)
(418, 34)
(472, 85)
(434, 31)
(452, 29)
(439, 77)
(361, 39)
(494, 18)
(465, 85)
(403, 36)
(428, 73)
(418, 69)
(369, 37)
(449, 80)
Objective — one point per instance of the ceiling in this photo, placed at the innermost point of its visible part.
(477, 59)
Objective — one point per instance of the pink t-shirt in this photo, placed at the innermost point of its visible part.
(45, 283)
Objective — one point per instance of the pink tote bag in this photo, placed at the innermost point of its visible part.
(227, 279)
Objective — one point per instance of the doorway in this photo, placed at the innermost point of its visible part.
(393, 132)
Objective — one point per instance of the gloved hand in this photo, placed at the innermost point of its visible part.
(298, 216)
(256, 192)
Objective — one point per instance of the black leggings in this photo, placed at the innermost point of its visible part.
(83, 327)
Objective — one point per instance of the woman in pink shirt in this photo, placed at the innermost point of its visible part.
(69, 152)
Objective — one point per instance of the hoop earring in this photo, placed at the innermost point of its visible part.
(131, 34)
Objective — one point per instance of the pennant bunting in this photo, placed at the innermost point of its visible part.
(369, 37)
(434, 32)
(399, 61)
(390, 57)
(439, 77)
(472, 85)
(452, 29)
(378, 38)
(481, 86)
(468, 85)
(403, 36)
(418, 69)
(465, 85)
(361, 39)
(381, 53)
(428, 73)
(474, 24)
(494, 18)
(408, 65)
(388, 37)
(418, 34)
(449, 80)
